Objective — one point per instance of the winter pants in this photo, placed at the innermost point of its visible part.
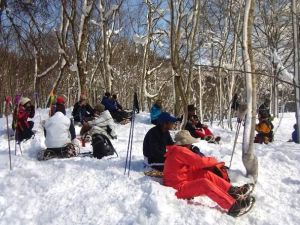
(209, 184)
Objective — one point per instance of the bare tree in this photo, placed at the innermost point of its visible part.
(249, 158)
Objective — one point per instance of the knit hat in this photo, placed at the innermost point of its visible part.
(24, 100)
(60, 100)
(184, 137)
(165, 117)
(99, 108)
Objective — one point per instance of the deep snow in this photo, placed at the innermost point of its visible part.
(91, 191)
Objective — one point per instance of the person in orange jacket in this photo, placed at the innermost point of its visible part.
(189, 174)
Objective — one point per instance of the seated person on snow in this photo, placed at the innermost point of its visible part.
(156, 140)
(197, 129)
(119, 115)
(59, 131)
(191, 175)
(116, 102)
(265, 126)
(21, 124)
(155, 111)
(101, 128)
(82, 111)
(295, 134)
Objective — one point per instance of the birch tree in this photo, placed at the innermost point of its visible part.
(249, 158)
(295, 13)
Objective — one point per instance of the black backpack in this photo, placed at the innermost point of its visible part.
(102, 146)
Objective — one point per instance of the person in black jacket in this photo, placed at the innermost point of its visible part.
(156, 140)
(82, 111)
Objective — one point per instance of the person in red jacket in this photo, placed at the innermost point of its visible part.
(189, 174)
(23, 127)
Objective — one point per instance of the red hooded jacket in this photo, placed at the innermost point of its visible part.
(184, 165)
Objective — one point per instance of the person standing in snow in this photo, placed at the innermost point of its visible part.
(156, 140)
(82, 111)
(59, 131)
(21, 124)
(235, 102)
(155, 111)
(190, 174)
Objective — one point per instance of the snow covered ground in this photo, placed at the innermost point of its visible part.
(91, 191)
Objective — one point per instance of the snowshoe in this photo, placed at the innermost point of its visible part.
(242, 206)
(242, 191)
(154, 173)
(46, 155)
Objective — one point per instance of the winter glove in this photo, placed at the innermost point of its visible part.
(76, 142)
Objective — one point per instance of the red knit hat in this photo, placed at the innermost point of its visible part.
(60, 100)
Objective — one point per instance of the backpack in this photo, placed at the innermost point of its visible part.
(102, 146)
(221, 170)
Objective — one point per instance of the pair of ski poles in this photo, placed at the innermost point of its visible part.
(130, 141)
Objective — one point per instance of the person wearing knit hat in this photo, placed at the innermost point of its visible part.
(59, 129)
(156, 140)
(82, 110)
(22, 112)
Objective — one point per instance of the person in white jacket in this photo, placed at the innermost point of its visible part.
(103, 123)
(59, 130)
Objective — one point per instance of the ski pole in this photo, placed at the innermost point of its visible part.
(129, 145)
(7, 103)
(133, 118)
(235, 140)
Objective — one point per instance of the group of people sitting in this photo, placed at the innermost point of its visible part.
(59, 130)
(193, 125)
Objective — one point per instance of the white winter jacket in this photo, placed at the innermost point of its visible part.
(57, 131)
(101, 123)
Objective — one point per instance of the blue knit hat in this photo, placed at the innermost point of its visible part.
(165, 117)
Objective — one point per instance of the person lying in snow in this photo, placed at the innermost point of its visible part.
(197, 129)
(156, 140)
(20, 123)
(60, 132)
(190, 174)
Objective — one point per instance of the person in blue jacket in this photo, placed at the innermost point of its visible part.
(295, 134)
(119, 115)
(155, 111)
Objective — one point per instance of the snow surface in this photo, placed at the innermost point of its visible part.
(91, 191)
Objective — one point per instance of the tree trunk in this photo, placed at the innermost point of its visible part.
(248, 156)
(296, 62)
